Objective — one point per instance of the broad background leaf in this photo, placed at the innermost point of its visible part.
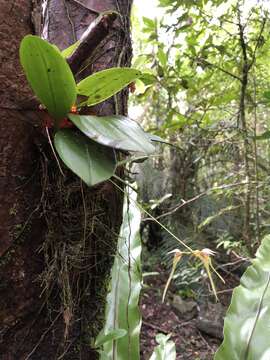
(104, 84)
(122, 301)
(118, 132)
(246, 328)
(92, 162)
(48, 74)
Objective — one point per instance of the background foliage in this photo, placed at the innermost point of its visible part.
(207, 93)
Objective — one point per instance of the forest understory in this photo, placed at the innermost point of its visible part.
(195, 326)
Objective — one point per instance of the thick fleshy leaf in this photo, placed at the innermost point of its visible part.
(48, 74)
(165, 350)
(246, 328)
(122, 309)
(104, 84)
(92, 162)
(116, 131)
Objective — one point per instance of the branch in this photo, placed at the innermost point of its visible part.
(257, 44)
(91, 38)
(197, 197)
(204, 61)
(221, 69)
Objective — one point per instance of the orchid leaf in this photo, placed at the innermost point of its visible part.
(118, 132)
(92, 162)
(106, 83)
(70, 50)
(49, 75)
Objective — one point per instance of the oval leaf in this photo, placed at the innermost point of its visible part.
(246, 329)
(92, 162)
(116, 131)
(48, 74)
(104, 84)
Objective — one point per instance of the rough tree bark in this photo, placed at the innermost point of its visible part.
(57, 237)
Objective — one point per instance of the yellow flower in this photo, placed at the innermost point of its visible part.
(205, 256)
(176, 259)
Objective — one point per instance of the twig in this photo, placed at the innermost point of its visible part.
(206, 342)
(42, 338)
(92, 37)
(221, 69)
(220, 292)
(53, 151)
(204, 61)
(197, 197)
(232, 263)
(257, 44)
(70, 21)
(86, 6)
(156, 327)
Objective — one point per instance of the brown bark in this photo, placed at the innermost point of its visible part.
(57, 237)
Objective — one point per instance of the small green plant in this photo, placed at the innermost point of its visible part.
(87, 147)
(228, 243)
(165, 350)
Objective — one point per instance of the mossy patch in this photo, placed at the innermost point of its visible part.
(83, 225)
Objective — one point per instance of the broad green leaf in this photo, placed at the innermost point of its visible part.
(165, 350)
(104, 84)
(48, 74)
(122, 309)
(148, 79)
(118, 132)
(149, 22)
(266, 95)
(162, 57)
(246, 328)
(141, 61)
(92, 162)
(111, 335)
(264, 136)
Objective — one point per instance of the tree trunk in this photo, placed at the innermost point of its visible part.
(57, 237)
